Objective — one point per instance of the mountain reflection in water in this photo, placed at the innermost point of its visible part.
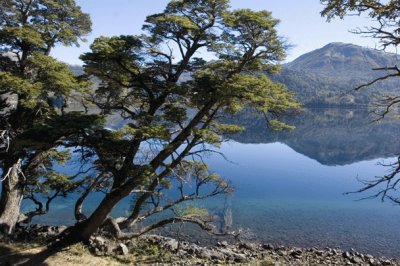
(329, 135)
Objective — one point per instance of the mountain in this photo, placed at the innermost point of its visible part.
(76, 69)
(328, 76)
(342, 60)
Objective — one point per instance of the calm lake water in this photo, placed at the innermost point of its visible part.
(289, 185)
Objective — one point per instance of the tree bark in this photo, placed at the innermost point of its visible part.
(11, 197)
(82, 231)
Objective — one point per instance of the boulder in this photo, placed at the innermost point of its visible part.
(240, 258)
(122, 249)
(171, 244)
(99, 241)
(223, 244)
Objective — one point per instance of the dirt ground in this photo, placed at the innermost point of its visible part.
(76, 255)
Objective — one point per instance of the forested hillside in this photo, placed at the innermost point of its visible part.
(328, 76)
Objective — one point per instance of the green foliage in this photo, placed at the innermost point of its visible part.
(148, 132)
(171, 103)
(200, 174)
(34, 125)
(48, 133)
(242, 90)
(208, 136)
(278, 125)
(117, 54)
(54, 76)
(47, 77)
(25, 33)
(226, 129)
(247, 31)
(15, 84)
(44, 179)
(41, 24)
(261, 92)
(54, 181)
(375, 8)
(174, 113)
(186, 19)
(192, 210)
(28, 31)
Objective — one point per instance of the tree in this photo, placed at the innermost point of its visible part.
(29, 77)
(172, 101)
(386, 15)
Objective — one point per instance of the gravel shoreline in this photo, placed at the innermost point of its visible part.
(264, 254)
(170, 251)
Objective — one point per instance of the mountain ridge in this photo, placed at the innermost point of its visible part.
(330, 59)
(327, 76)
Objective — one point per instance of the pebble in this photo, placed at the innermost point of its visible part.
(246, 253)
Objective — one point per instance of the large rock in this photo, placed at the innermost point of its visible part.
(122, 249)
(99, 241)
(171, 244)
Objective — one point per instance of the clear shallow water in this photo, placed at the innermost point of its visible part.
(289, 185)
(284, 197)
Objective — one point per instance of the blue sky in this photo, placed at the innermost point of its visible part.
(301, 23)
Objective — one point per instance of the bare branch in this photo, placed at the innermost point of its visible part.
(385, 185)
(186, 219)
(4, 140)
(380, 78)
(79, 216)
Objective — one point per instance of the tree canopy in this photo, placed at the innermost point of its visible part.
(29, 81)
(171, 101)
(143, 79)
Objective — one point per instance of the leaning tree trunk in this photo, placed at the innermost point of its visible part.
(11, 197)
(82, 231)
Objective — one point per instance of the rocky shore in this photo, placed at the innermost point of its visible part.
(262, 254)
(169, 251)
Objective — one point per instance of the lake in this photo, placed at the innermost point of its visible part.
(289, 186)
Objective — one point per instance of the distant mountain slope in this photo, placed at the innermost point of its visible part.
(77, 69)
(342, 60)
(327, 76)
